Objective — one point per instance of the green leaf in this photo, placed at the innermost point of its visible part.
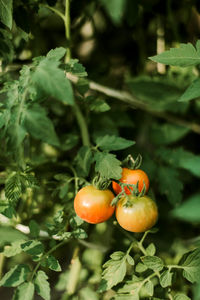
(115, 8)
(13, 249)
(151, 249)
(56, 53)
(170, 185)
(188, 210)
(33, 247)
(190, 263)
(149, 287)
(34, 229)
(53, 264)
(13, 187)
(166, 278)
(180, 296)
(164, 134)
(24, 291)
(15, 276)
(84, 160)
(153, 262)
(130, 260)
(80, 233)
(9, 235)
(108, 165)
(192, 92)
(114, 272)
(42, 285)
(39, 125)
(140, 267)
(52, 81)
(99, 105)
(185, 55)
(180, 158)
(6, 7)
(113, 143)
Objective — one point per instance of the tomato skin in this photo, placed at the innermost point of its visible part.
(139, 216)
(93, 205)
(131, 177)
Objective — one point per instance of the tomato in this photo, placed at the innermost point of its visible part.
(132, 177)
(137, 214)
(94, 205)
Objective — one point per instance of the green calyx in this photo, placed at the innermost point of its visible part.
(131, 163)
(101, 183)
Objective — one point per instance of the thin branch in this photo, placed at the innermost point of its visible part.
(134, 102)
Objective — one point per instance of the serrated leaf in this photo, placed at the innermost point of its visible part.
(13, 249)
(166, 278)
(13, 187)
(149, 287)
(185, 55)
(42, 285)
(33, 247)
(39, 125)
(190, 263)
(24, 291)
(192, 92)
(169, 184)
(153, 262)
(56, 53)
(52, 81)
(113, 143)
(188, 210)
(99, 105)
(53, 264)
(114, 272)
(108, 165)
(181, 297)
(6, 7)
(151, 249)
(180, 158)
(84, 160)
(15, 276)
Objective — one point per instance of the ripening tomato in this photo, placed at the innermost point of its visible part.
(94, 205)
(136, 214)
(132, 177)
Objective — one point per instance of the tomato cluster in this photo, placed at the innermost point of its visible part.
(135, 213)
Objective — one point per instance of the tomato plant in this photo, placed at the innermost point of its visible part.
(132, 177)
(83, 86)
(136, 214)
(94, 205)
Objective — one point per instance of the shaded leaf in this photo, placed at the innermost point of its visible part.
(15, 276)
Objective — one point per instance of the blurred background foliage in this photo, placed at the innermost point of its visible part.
(113, 40)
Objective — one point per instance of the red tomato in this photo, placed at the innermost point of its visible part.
(138, 214)
(93, 205)
(132, 177)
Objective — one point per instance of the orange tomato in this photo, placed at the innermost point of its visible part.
(132, 177)
(94, 205)
(138, 214)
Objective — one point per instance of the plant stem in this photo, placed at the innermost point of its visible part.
(67, 29)
(78, 113)
(134, 102)
(82, 125)
(2, 259)
(45, 255)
